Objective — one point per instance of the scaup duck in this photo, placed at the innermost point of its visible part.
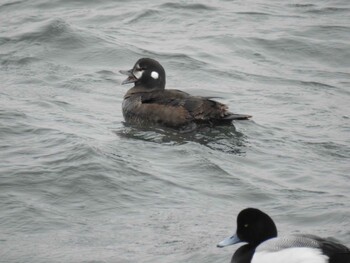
(259, 231)
(149, 102)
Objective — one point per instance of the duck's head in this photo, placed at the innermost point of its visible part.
(253, 227)
(147, 73)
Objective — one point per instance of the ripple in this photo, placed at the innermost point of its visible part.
(225, 139)
(182, 6)
(11, 3)
(144, 14)
(329, 10)
(17, 60)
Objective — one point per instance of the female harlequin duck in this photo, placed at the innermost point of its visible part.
(149, 102)
(258, 230)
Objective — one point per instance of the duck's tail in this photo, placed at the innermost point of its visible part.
(233, 116)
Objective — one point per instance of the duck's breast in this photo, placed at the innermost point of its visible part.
(136, 110)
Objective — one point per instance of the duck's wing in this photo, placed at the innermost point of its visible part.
(301, 249)
(198, 108)
(337, 252)
(159, 106)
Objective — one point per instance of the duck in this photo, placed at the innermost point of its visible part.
(148, 102)
(259, 231)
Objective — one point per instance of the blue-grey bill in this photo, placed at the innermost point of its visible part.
(229, 241)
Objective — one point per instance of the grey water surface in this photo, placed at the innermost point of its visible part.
(78, 185)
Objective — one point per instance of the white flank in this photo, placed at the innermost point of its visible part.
(291, 255)
(154, 75)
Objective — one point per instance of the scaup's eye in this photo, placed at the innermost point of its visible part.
(246, 225)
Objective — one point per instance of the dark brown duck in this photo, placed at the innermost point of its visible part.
(148, 102)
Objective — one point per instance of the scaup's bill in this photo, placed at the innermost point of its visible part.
(258, 230)
(149, 102)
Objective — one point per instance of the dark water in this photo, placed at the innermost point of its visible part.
(77, 185)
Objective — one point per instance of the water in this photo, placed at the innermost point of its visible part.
(77, 185)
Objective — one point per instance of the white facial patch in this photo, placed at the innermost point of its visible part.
(154, 75)
(138, 73)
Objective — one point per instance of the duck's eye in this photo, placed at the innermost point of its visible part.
(246, 225)
(140, 68)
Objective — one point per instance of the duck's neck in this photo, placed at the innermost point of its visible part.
(140, 89)
(244, 254)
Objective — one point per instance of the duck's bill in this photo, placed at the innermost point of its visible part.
(229, 241)
(131, 78)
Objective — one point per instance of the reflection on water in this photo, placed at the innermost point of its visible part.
(224, 138)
